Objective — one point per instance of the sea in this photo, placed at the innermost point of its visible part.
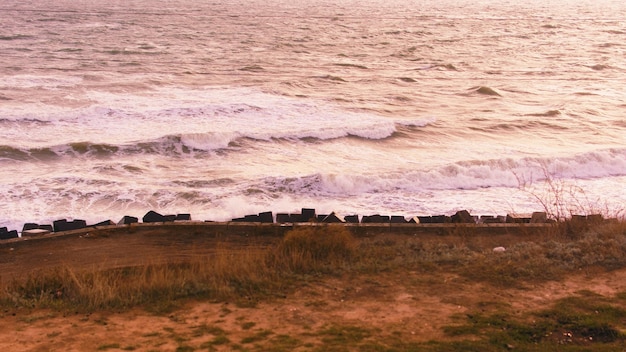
(223, 108)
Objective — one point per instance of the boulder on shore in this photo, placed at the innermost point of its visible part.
(518, 218)
(308, 215)
(353, 219)
(127, 220)
(397, 219)
(463, 217)
(333, 218)
(376, 219)
(6, 235)
(266, 217)
(440, 219)
(64, 225)
(539, 217)
(282, 218)
(153, 216)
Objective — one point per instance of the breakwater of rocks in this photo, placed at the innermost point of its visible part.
(306, 216)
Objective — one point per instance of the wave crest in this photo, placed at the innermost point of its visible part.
(465, 175)
(188, 143)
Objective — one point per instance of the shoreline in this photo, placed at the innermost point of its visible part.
(277, 223)
(279, 229)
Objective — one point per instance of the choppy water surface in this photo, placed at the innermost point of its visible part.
(226, 108)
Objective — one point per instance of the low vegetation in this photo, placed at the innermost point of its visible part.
(247, 276)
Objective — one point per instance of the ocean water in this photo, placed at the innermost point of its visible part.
(227, 108)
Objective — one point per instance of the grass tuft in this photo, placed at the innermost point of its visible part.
(314, 249)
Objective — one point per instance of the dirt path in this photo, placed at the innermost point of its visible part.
(411, 307)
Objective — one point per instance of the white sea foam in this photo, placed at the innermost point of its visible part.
(196, 124)
(122, 120)
(208, 141)
(466, 175)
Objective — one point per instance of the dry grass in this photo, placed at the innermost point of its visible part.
(242, 275)
(248, 275)
(314, 249)
(222, 276)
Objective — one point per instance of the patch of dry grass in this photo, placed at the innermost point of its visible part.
(247, 275)
(314, 249)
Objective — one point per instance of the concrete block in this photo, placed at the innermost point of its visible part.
(153, 216)
(440, 219)
(126, 220)
(283, 218)
(307, 214)
(538, 217)
(397, 219)
(462, 217)
(266, 217)
(353, 219)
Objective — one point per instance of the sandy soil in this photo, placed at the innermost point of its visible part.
(412, 306)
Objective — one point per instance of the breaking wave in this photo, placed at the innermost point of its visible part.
(465, 175)
(189, 143)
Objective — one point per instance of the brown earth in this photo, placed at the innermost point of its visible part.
(411, 306)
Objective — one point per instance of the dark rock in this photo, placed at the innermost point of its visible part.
(7, 235)
(333, 218)
(440, 219)
(153, 216)
(319, 218)
(517, 219)
(376, 219)
(282, 218)
(169, 218)
(78, 224)
(462, 217)
(492, 219)
(251, 218)
(397, 219)
(30, 226)
(183, 217)
(307, 215)
(126, 220)
(353, 219)
(538, 217)
(483, 218)
(104, 223)
(414, 220)
(60, 225)
(266, 217)
(295, 217)
(64, 225)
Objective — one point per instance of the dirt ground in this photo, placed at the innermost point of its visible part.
(412, 306)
